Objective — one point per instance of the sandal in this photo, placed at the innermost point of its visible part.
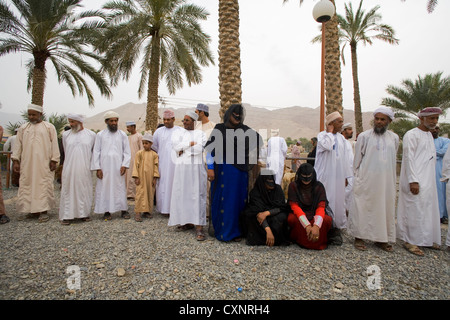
(185, 227)
(4, 219)
(125, 215)
(435, 246)
(147, 215)
(32, 215)
(65, 222)
(43, 217)
(138, 217)
(199, 235)
(360, 245)
(384, 246)
(413, 249)
(86, 219)
(107, 216)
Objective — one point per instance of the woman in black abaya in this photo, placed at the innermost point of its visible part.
(264, 219)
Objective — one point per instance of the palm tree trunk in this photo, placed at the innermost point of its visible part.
(333, 81)
(356, 95)
(39, 77)
(230, 83)
(151, 118)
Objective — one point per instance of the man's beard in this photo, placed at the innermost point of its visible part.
(112, 127)
(35, 121)
(76, 129)
(380, 131)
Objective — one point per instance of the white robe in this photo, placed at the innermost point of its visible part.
(188, 199)
(162, 144)
(349, 187)
(332, 168)
(36, 145)
(9, 146)
(135, 141)
(446, 178)
(418, 220)
(111, 152)
(276, 154)
(207, 128)
(77, 186)
(372, 211)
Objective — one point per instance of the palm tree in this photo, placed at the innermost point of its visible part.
(230, 82)
(333, 79)
(168, 34)
(431, 4)
(432, 90)
(44, 29)
(361, 27)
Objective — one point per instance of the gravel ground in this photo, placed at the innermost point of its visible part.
(122, 259)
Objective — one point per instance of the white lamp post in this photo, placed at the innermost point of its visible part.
(323, 11)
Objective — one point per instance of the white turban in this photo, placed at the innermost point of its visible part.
(76, 117)
(35, 107)
(386, 111)
(332, 116)
(192, 114)
(130, 123)
(346, 126)
(275, 132)
(147, 137)
(111, 114)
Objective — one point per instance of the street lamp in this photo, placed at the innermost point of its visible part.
(323, 11)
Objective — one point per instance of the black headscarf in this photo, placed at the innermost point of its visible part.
(247, 142)
(262, 199)
(307, 196)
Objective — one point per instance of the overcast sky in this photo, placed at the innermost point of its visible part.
(280, 66)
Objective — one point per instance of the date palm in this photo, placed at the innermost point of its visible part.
(431, 90)
(361, 27)
(333, 78)
(45, 30)
(431, 4)
(170, 38)
(230, 82)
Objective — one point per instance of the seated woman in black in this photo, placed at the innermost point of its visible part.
(264, 219)
(308, 222)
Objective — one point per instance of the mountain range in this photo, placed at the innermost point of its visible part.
(293, 122)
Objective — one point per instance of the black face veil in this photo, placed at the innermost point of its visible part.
(305, 173)
(238, 112)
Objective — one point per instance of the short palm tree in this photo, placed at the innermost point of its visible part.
(171, 40)
(361, 27)
(432, 90)
(45, 30)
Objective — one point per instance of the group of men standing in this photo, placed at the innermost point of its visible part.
(36, 155)
(111, 155)
(370, 213)
(186, 172)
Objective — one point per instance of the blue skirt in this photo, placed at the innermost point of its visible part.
(229, 193)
